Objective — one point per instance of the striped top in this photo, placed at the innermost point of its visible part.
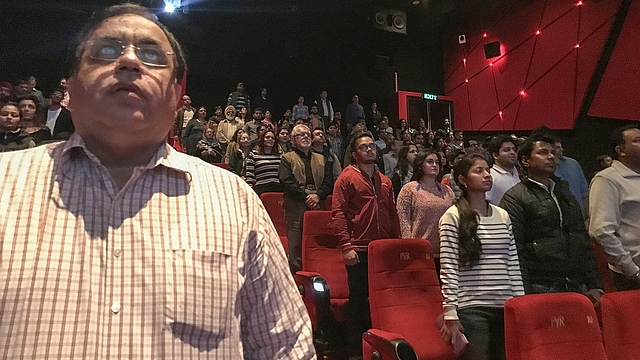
(262, 169)
(181, 263)
(494, 279)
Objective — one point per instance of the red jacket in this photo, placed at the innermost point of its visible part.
(362, 212)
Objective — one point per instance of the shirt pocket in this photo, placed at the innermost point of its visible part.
(199, 296)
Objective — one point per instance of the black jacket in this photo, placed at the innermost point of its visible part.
(550, 251)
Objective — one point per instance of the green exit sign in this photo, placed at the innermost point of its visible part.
(430, 96)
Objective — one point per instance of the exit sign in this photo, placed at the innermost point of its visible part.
(429, 96)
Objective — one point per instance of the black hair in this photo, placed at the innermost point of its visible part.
(78, 44)
(497, 141)
(420, 158)
(469, 247)
(258, 109)
(527, 146)
(617, 138)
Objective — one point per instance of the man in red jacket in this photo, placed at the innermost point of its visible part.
(363, 210)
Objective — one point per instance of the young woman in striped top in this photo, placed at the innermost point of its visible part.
(479, 264)
(263, 163)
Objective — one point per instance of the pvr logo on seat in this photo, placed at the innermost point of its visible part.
(405, 256)
(557, 321)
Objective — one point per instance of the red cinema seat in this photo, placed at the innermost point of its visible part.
(328, 202)
(405, 298)
(322, 254)
(552, 326)
(272, 201)
(620, 314)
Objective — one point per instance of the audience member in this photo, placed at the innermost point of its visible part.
(325, 107)
(553, 245)
(603, 162)
(319, 145)
(402, 126)
(268, 121)
(423, 201)
(6, 93)
(373, 118)
(391, 158)
(353, 112)
(218, 115)
(12, 137)
(65, 98)
(208, 148)
(32, 121)
(233, 145)
(457, 143)
(336, 141)
(183, 116)
(480, 268)
(251, 127)
(228, 127)
(194, 131)
(284, 141)
(403, 172)
(570, 171)
(263, 163)
(124, 253)
(239, 99)
(306, 182)
(300, 110)
(504, 171)
(238, 158)
(262, 102)
(31, 80)
(59, 119)
(614, 208)
(363, 210)
(449, 179)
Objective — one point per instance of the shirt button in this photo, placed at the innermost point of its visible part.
(115, 308)
(117, 252)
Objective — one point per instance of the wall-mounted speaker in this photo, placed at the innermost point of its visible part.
(390, 20)
(492, 50)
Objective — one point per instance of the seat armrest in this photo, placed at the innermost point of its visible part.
(383, 345)
(315, 295)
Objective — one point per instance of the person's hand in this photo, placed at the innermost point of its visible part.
(594, 295)
(313, 201)
(450, 330)
(350, 257)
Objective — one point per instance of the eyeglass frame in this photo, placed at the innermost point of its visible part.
(124, 47)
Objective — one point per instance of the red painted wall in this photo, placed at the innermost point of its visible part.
(540, 79)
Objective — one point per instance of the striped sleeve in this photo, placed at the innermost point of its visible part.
(449, 261)
(515, 276)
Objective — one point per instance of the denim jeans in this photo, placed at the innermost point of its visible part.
(484, 328)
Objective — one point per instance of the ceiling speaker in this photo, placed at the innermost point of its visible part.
(390, 20)
(492, 50)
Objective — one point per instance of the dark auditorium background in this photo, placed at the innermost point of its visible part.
(569, 65)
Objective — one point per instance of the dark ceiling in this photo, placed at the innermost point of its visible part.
(290, 46)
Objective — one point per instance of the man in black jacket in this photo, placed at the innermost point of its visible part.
(553, 245)
(59, 119)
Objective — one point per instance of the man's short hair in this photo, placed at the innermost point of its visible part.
(617, 138)
(77, 45)
(497, 141)
(527, 146)
(258, 109)
(359, 136)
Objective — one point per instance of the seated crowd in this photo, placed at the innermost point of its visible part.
(504, 216)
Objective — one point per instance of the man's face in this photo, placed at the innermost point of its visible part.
(355, 99)
(374, 106)
(301, 100)
(318, 138)
(419, 139)
(209, 133)
(63, 83)
(23, 89)
(506, 156)
(287, 113)
(186, 101)
(457, 135)
(240, 87)
(263, 92)
(323, 95)
(332, 130)
(56, 97)
(32, 83)
(5, 92)
(124, 98)
(314, 109)
(337, 115)
(383, 124)
(258, 115)
(542, 159)
(559, 150)
(9, 117)
(365, 151)
(302, 138)
(630, 150)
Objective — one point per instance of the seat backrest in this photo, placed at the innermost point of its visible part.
(552, 326)
(405, 296)
(272, 201)
(221, 165)
(321, 252)
(620, 314)
(328, 203)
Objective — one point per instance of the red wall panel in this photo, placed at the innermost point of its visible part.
(553, 73)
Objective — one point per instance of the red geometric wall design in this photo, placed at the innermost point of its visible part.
(549, 51)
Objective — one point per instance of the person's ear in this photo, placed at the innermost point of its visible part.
(525, 161)
(620, 150)
(462, 180)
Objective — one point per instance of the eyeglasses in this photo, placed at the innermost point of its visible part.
(365, 147)
(111, 49)
(304, 134)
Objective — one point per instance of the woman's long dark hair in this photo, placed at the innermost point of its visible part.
(402, 168)
(469, 247)
(260, 149)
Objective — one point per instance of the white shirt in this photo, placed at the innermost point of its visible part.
(503, 180)
(52, 117)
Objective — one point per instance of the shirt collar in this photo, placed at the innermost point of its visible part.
(550, 189)
(623, 169)
(501, 170)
